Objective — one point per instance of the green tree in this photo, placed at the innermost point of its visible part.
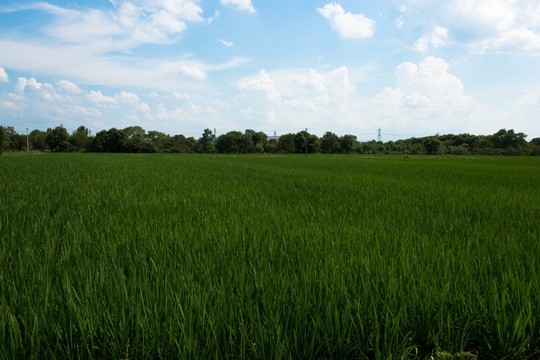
(229, 143)
(57, 139)
(134, 131)
(432, 145)
(286, 143)
(271, 146)
(246, 141)
(300, 140)
(13, 141)
(79, 139)
(314, 144)
(161, 141)
(206, 141)
(260, 139)
(191, 144)
(183, 144)
(534, 146)
(37, 140)
(416, 149)
(136, 141)
(330, 143)
(503, 139)
(112, 140)
(2, 138)
(348, 142)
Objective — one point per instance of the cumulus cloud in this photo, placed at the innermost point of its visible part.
(312, 80)
(128, 24)
(144, 109)
(193, 71)
(8, 105)
(426, 95)
(167, 22)
(62, 101)
(226, 43)
(183, 96)
(297, 97)
(485, 25)
(436, 38)
(190, 114)
(34, 89)
(97, 98)
(3, 75)
(529, 99)
(68, 86)
(70, 110)
(347, 24)
(262, 82)
(244, 5)
(128, 98)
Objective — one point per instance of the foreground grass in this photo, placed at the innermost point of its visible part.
(191, 256)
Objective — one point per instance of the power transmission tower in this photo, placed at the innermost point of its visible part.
(379, 134)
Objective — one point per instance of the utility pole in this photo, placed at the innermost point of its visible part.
(27, 141)
(307, 140)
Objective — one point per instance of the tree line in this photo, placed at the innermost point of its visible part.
(134, 139)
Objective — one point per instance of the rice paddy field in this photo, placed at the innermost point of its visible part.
(269, 257)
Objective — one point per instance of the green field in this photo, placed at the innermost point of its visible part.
(269, 257)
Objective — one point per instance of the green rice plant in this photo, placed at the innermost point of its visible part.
(269, 257)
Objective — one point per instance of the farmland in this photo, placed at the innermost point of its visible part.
(269, 257)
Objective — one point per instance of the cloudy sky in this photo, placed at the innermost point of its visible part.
(409, 67)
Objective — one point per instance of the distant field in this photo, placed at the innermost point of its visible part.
(269, 257)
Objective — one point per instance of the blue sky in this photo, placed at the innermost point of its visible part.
(409, 67)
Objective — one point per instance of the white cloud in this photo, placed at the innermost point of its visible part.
(68, 86)
(313, 80)
(127, 25)
(299, 82)
(297, 98)
(190, 115)
(96, 97)
(84, 64)
(3, 75)
(34, 89)
(347, 24)
(60, 102)
(431, 79)
(529, 99)
(70, 110)
(247, 112)
(183, 96)
(436, 38)
(426, 97)
(261, 82)
(244, 5)
(145, 110)
(182, 9)
(193, 71)
(8, 105)
(226, 43)
(128, 98)
(212, 18)
(167, 22)
(485, 25)
(21, 85)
